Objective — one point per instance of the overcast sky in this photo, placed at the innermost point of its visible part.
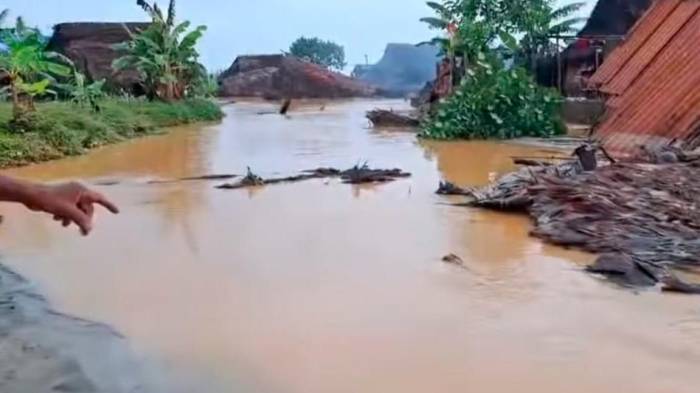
(239, 27)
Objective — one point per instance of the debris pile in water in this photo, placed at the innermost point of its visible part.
(359, 174)
(384, 118)
(364, 174)
(447, 188)
(510, 192)
(642, 218)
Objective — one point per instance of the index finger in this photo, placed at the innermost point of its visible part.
(100, 199)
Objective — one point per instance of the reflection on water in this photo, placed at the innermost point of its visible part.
(326, 287)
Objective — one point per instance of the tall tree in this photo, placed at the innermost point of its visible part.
(324, 53)
(165, 54)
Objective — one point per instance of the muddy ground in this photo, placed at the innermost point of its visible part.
(42, 350)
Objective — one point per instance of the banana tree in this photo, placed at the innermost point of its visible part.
(28, 68)
(164, 53)
(445, 20)
(82, 92)
(546, 26)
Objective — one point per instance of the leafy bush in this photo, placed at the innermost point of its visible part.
(496, 103)
(206, 85)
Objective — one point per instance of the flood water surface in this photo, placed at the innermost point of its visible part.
(322, 287)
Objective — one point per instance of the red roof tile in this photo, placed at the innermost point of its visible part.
(653, 80)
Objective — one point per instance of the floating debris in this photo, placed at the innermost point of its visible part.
(530, 162)
(364, 174)
(447, 188)
(384, 118)
(355, 175)
(285, 106)
(251, 179)
(107, 182)
(453, 260)
(225, 176)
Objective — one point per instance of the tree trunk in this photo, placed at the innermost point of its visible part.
(170, 92)
(17, 111)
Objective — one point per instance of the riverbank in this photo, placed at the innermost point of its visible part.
(42, 350)
(62, 129)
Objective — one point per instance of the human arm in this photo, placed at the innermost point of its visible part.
(67, 203)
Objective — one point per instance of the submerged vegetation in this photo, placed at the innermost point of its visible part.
(494, 94)
(54, 110)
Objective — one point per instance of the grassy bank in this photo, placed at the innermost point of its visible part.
(62, 129)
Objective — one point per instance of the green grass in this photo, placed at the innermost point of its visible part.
(60, 129)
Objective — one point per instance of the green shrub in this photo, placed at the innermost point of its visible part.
(16, 149)
(496, 103)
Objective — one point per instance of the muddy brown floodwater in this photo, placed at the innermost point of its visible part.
(322, 287)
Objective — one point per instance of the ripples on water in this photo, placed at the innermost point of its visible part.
(326, 287)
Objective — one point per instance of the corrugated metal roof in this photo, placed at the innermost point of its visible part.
(653, 80)
(636, 38)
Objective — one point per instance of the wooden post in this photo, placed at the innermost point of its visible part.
(560, 79)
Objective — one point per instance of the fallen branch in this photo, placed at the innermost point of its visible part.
(196, 178)
(363, 175)
(355, 175)
(209, 177)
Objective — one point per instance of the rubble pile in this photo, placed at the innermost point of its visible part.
(642, 218)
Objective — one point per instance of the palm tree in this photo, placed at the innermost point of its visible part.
(167, 60)
(27, 66)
